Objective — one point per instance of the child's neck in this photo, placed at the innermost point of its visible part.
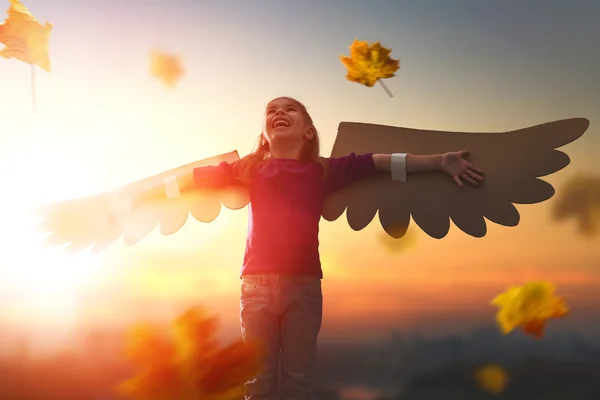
(286, 152)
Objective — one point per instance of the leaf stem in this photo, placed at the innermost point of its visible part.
(385, 87)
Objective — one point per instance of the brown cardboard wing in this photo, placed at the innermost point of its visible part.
(512, 162)
(97, 220)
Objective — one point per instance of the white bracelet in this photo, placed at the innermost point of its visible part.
(399, 167)
(171, 187)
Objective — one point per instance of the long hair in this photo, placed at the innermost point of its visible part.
(245, 168)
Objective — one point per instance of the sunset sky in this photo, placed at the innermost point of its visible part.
(103, 121)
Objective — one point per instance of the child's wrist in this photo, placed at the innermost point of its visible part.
(439, 162)
(398, 166)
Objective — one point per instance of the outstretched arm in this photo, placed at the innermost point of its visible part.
(103, 218)
(207, 177)
(413, 162)
(520, 180)
(453, 164)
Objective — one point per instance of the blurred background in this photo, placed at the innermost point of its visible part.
(405, 319)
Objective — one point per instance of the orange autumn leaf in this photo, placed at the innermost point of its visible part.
(528, 306)
(536, 327)
(224, 369)
(367, 63)
(166, 67)
(189, 362)
(25, 38)
(152, 385)
(151, 350)
(147, 345)
(196, 333)
(492, 378)
(215, 372)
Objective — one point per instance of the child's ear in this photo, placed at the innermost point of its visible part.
(310, 133)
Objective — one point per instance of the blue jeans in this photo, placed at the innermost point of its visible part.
(284, 312)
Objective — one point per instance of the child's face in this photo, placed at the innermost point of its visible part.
(284, 120)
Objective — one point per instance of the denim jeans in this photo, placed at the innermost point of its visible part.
(285, 313)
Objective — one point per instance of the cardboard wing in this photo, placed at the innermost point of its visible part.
(100, 220)
(513, 163)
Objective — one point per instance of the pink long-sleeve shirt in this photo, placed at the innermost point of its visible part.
(286, 201)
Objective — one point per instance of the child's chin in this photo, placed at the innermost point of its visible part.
(285, 134)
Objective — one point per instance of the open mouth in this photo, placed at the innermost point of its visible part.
(280, 122)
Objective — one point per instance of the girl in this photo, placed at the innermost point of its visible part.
(281, 300)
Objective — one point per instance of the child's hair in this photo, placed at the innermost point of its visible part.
(246, 166)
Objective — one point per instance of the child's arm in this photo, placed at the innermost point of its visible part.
(453, 164)
(208, 177)
(352, 168)
(412, 163)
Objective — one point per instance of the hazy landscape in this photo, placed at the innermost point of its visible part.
(128, 89)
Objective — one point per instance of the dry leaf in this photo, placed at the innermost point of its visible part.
(154, 353)
(189, 363)
(529, 306)
(369, 63)
(24, 37)
(492, 378)
(579, 199)
(166, 67)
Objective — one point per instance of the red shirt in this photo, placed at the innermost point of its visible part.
(286, 201)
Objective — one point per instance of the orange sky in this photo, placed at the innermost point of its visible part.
(103, 121)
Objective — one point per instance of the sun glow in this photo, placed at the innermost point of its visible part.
(53, 157)
(43, 282)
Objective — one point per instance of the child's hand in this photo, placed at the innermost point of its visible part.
(458, 168)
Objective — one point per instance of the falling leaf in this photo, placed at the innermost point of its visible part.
(580, 199)
(24, 37)
(369, 64)
(492, 377)
(528, 306)
(147, 344)
(187, 362)
(159, 376)
(400, 245)
(166, 67)
(196, 333)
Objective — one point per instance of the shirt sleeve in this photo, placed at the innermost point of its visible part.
(215, 176)
(346, 170)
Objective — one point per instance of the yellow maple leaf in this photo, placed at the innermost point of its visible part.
(369, 64)
(166, 67)
(24, 37)
(528, 306)
(189, 362)
(492, 377)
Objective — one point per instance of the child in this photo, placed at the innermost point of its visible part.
(281, 300)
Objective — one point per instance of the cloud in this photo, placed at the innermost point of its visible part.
(580, 199)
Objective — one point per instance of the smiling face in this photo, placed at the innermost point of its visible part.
(286, 119)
